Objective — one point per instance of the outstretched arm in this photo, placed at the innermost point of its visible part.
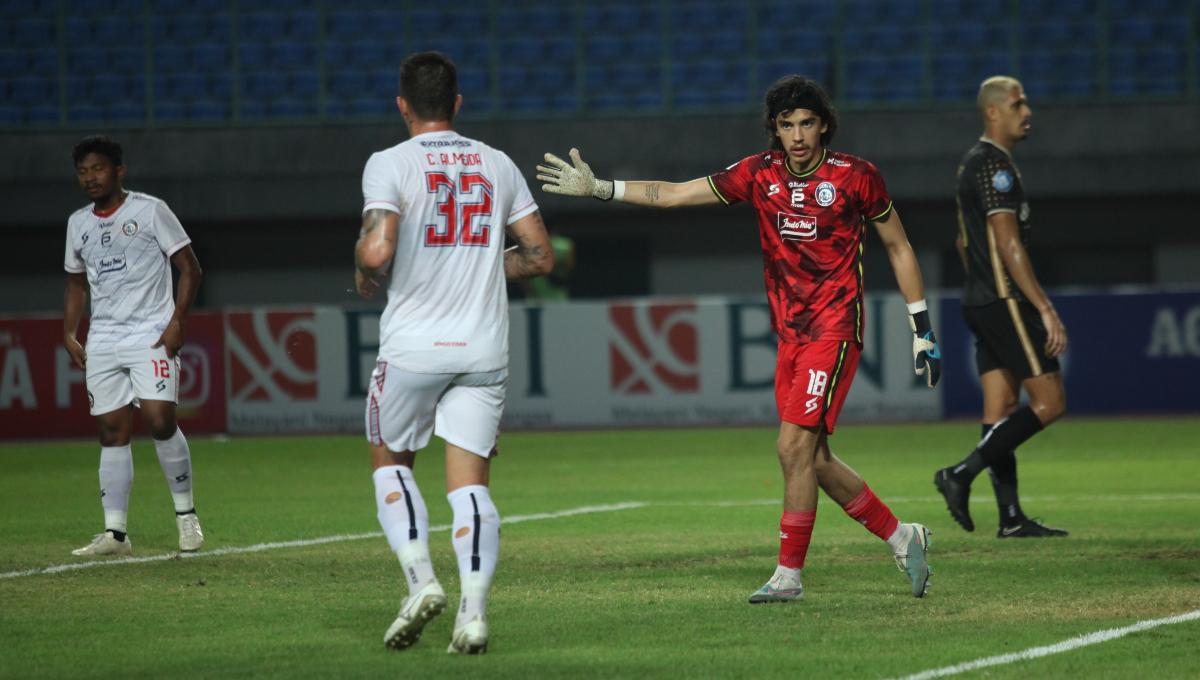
(1016, 261)
(577, 179)
(375, 248)
(927, 357)
(533, 255)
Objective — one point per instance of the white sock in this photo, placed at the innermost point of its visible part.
(900, 537)
(785, 574)
(405, 521)
(176, 461)
(116, 479)
(476, 540)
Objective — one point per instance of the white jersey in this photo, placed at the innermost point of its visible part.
(447, 307)
(126, 254)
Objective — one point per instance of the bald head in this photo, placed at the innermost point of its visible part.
(995, 91)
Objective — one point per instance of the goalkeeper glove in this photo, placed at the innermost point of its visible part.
(927, 357)
(563, 178)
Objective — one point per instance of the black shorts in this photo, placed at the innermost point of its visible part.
(1009, 334)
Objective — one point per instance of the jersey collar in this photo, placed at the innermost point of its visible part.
(111, 211)
(811, 170)
(987, 140)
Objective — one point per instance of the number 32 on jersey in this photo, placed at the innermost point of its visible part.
(459, 204)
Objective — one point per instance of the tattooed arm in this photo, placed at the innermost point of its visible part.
(375, 248)
(533, 256)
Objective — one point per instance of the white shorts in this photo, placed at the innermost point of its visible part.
(404, 409)
(119, 376)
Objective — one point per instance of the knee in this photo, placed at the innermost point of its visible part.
(162, 427)
(1049, 410)
(795, 455)
(112, 436)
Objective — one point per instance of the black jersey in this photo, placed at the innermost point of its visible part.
(988, 183)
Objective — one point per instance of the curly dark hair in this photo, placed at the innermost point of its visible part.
(798, 92)
(429, 83)
(101, 145)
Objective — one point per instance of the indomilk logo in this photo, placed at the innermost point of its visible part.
(654, 349)
(796, 227)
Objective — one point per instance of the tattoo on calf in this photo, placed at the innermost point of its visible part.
(652, 192)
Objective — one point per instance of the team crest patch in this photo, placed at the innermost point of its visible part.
(129, 228)
(826, 194)
(1002, 180)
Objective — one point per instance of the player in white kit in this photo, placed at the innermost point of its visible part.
(436, 209)
(120, 249)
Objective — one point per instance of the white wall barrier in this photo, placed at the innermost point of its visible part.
(685, 361)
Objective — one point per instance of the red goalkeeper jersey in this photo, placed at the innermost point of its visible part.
(811, 226)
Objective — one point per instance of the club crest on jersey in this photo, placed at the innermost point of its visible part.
(129, 228)
(826, 194)
(796, 227)
(1002, 180)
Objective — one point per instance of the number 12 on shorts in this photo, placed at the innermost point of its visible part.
(162, 368)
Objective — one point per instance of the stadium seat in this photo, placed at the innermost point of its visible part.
(551, 79)
(263, 84)
(882, 13)
(370, 107)
(31, 89)
(170, 58)
(15, 61)
(83, 112)
(1041, 34)
(521, 50)
(11, 116)
(127, 59)
(1047, 9)
(208, 110)
(32, 32)
(43, 114)
(302, 26)
(347, 83)
(288, 107)
(534, 21)
(220, 86)
(252, 109)
(169, 110)
(802, 13)
(346, 25)
(127, 112)
(708, 16)
(526, 103)
(263, 26)
(210, 56)
(608, 100)
(564, 101)
(879, 41)
(304, 85)
(290, 55)
(253, 55)
(77, 29)
(127, 29)
(473, 81)
(78, 88)
(188, 85)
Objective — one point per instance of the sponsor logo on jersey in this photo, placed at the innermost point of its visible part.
(106, 239)
(796, 227)
(129, 228)
(112, 264)
(773, 190)
(1002, 180)
(826, 194)
(654, 349)
(444, 142)
(1024, 211)
(838, 162)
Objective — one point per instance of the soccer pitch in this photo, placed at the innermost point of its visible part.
(632, 555)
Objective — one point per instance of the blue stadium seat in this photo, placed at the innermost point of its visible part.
(647, 100)
(127, 112)
(32, 89)
(364, 54)
(1058, 34)
(512, 79)
(804, 43)
(78, 88)
(127, 59)
(878, 41)
(365, 107)
(12, 116)
(551, 79)
(210, 56)
(220, 86)
(289, 55)
(526, 103)
(697, 16)
(252, 109)
(608, 100)
(945, 10)
(559, 49)
(288, 107)
(621, 18)
(521, 50)
(253, 56)
(165, 109)
(882, 13)
(564, 101)
(302, 26)
(183, 85)
(43, 60)
(42, 114)
(605, 47)
(473, 81)
(77, 29)
(87, 60)
(346, 25)
(263, 84)
(801, 13)
(208, 110)
(534, 21)
(263, 26)
(1064, 9)
(383, 84)
(347, 83)
(84, 112)
(13, 62)
(815, 67)
(171, 58)
(128, 29)
(304, 84)
(32, 32)
(968, 35)
(688, 46)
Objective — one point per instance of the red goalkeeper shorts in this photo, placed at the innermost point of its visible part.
(812, 380)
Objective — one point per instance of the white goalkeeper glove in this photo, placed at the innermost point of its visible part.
(562, 178)
(927, 357)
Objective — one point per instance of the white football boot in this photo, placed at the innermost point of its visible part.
(470, 638)
(781, 588)
(417, 610)
(105, 544)
(190, 535)
(912, 559)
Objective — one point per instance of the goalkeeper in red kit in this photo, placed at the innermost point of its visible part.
(813, 205)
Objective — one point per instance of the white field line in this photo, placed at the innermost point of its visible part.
(260, 547)
(584, 510)
(1057, 648)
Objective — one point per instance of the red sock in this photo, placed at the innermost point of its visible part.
(869, 511)
(795, 533)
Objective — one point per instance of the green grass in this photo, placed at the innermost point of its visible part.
(656, 591)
